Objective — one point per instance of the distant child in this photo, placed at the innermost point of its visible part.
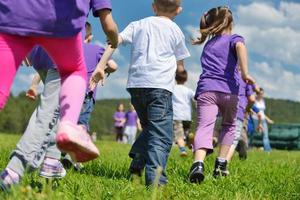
(158, 50)
(218, 88)
(246, 100)
(132, 124)
(119, 117)
(54, 25)
(182, 108)
(37, 146)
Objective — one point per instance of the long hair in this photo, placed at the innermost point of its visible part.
(213, 23)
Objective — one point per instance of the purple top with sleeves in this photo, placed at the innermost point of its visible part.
(245, 91)
(219, 63)
(131, 118)
(52, 18)
(118, 116)
(92, 55)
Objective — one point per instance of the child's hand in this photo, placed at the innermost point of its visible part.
(98, 76)
(248, 79)
(32, 93)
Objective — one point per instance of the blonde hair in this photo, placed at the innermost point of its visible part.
(213, 23)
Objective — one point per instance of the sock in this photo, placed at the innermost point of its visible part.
(195, 161)
(221, 160)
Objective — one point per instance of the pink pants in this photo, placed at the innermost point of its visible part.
(67, 53)
(208, 106)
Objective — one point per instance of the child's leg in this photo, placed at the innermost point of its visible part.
(266, 141)
(160, 133)
(68, 55)
(86, 111)
(13, 50)
(237, 136)
(31, 148)
(207, 111)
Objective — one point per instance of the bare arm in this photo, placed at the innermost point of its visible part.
(109, 26)
(32, 92)
(269, 120)
(243, 62)
(180, 65)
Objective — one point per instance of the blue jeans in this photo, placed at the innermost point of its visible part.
(86, 111)
(266, 141)
(151, 149)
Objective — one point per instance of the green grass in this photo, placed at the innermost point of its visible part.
(262, 176)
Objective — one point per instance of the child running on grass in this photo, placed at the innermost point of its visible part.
(182, 107)
(119, 118)
(218, 88)
(54, 25)
(37, 145)
(158, 50)
(132, 124)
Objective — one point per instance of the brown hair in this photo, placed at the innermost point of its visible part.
(213, 23)
(88, 30)
(181, 77)
(167, 6)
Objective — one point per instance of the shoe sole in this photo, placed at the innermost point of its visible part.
(49, 176)
(77, 152)
(183, 154)
(196, 178)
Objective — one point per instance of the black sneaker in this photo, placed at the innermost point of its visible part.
(137, 166)
(197, 173)
(220, 169)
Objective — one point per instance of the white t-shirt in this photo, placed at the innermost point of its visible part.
(182, 103)
(261, 105)
(157, 45)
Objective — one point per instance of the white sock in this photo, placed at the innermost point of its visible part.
(195, 161)
(221, 159)
(51, 161)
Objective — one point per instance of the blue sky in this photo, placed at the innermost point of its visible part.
(271, 30)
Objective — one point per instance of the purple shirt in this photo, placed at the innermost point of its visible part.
(92, 55)
(52, 18)
(245, 91)
(118, 116)
(219, 63)
(131, 118)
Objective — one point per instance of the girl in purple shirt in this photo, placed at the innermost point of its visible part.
(218, 88)
(54, 25)
(120, 120)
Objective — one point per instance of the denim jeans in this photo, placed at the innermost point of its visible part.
(151, 149)
(266, 141)
(86, 111)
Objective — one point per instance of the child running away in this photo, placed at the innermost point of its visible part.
(182, 108)
(158, 50)
(218, 88)
(54, 25)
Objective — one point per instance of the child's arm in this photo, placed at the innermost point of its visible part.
(270, 121)
(139, 126)
(243, 62)
(99, 73)
(180, 66)
(32, 92)
(111, 66)
(109, 26)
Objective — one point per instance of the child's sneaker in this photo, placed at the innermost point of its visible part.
(50, 170)
(197, 172)
(220, 168)
(74, 140)
(68, 163)
(183, 152)
(8, 179)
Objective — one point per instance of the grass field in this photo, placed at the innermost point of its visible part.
(262, 176)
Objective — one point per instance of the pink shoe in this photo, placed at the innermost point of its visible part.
(74, 140)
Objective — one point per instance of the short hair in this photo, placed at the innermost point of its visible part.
(167, 6)
(88, 29)
(181, 77)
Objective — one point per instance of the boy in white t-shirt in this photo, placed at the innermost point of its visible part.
(182, 109)
(157, 51)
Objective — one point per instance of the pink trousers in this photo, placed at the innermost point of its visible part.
(209, 104)
(67, 53)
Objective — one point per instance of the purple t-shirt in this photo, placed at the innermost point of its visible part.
(219, 64)
(92, 55)
(53, 18)
(118, 117)
(131, 118)
(245, 91)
